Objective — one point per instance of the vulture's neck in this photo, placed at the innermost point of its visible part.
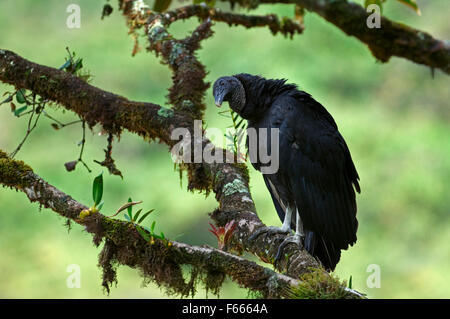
(260, 94)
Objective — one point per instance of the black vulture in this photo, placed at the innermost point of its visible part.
(313, 189)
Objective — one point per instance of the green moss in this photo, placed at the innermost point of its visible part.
(13, 173)
(318, 284)
(254, 294)
(114, 230)
(237, 186)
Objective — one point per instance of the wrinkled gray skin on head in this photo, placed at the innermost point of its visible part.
(231, 90)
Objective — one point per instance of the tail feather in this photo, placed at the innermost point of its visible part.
(326, 252)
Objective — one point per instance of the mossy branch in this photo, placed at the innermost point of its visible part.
(230, 182)
(392, 39)
(285, 26)
(189, 87)
(179, 54)
(160, 261)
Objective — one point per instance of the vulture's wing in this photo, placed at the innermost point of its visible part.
(316, 162)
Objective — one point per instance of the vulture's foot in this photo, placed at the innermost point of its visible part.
(271, 230)
(295, 239)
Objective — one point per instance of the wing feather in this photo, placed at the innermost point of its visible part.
(320, 173)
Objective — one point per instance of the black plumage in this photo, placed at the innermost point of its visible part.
(316, 179)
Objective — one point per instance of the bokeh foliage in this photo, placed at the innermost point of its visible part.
(395, 118)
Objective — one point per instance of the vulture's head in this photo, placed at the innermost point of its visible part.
(231, 90)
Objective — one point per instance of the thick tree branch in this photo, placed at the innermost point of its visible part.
(94, 105)
(287, 27)
(188, 88)
(392, 39)
(187, 91)
(132, 250)
(228, 181)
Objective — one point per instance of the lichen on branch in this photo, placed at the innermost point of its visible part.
(160, 261)
(148, 120)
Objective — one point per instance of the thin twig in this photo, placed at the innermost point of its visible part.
(146, 119)
(62, 125)
(30, 127)
(83, 141)
(23, 114)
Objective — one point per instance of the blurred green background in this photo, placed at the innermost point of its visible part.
(395, 118)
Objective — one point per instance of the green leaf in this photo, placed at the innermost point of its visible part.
(135, 217)
(161, 5)
(65, 65)
(127, 206)
(97, 189)
(146, 228)
(162, 235)
(8, 99)
(127, 217)
(78, 65)
(144, 216)
(412, 4)
(152, 227)
(130, 208)
(377, 2)
(239, 123)
(350, 282)
(20, 110)
(100, 206)
(144, 235)
(20, 96)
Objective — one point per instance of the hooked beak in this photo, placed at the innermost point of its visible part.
(219, 96)
(218, 100)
